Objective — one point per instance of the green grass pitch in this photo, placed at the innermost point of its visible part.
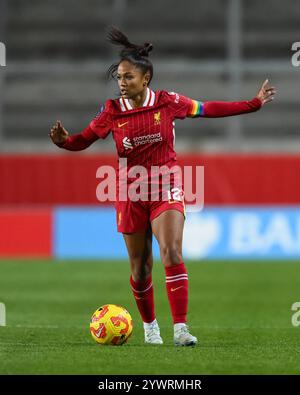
(240, 312)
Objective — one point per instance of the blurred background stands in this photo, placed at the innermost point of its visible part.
(57, 57)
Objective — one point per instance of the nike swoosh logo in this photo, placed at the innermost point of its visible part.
(175, 289)
(122, 124)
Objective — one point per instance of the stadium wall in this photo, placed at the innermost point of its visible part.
(48, 208)
(230, 179)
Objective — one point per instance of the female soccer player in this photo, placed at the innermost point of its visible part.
(142, 123)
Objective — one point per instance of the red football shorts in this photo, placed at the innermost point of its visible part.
(134, 217)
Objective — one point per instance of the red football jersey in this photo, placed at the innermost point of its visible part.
(144, 135)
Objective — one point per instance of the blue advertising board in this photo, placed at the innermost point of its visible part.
(214, 233)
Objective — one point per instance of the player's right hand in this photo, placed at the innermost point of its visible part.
(58, 133)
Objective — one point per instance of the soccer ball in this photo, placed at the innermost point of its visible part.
(111, 325)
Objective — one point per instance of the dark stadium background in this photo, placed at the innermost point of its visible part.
(50, 219)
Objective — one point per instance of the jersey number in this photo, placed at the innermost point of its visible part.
(175, 194)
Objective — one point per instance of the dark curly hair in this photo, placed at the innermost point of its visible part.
(133, 53)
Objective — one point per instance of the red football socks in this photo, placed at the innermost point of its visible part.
(177, 290)
(144, 297)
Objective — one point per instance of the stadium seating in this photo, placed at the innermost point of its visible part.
(58, 57)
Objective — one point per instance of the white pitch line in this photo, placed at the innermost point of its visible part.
(161, 326)
(48, 326)
(38, 326)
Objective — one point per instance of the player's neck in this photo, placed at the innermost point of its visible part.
(139, 99)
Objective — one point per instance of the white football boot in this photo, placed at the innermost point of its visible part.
(152, 333)
(182, 336)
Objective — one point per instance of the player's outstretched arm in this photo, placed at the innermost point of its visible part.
(77, 142)
(216, 109)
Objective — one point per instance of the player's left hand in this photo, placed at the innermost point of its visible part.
(266, 93)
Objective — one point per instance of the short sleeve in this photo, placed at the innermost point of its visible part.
(102, 123)
(184, 106)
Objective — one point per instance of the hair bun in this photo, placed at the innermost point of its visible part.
(144, 51)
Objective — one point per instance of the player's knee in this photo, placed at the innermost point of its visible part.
(141, 269)
(139, 276)
(171, 254)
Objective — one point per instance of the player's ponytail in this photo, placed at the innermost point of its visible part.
(134, 53)
(116, 37)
